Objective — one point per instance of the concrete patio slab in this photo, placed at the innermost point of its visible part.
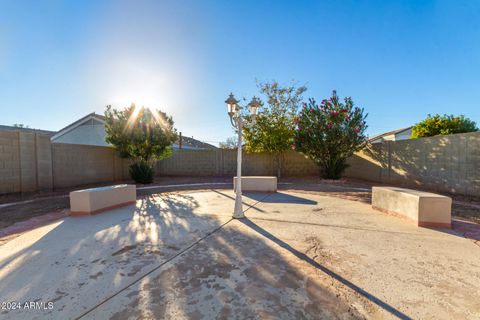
(77, 261)
(295, 256)
(236, 273)
(423, 273)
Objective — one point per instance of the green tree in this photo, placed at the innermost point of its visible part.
(442, 125)
(142, 135)
(330, 133)
(230, 143)
(20, 125)
(274, 129)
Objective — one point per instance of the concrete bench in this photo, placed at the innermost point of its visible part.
(257, 183)
(95, 200)
(425, 209)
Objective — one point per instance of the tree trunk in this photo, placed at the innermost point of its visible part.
(333, 168)
(279, 158)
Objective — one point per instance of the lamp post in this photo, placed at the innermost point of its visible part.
(237, 120)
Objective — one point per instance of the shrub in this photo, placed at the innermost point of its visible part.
(142, 172)
(442, 125)
(140, 134)
(329, 133)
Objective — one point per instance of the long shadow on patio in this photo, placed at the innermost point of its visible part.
(279, 197)
(390, 309)
(77, 262)
(86, 264)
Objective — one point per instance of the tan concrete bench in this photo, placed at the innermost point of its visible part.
(95, 200)
(257, 183)
(425, 209)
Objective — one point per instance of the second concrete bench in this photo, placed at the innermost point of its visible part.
(425, 209)
(257, 183)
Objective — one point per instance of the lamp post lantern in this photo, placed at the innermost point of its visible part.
(237, 121)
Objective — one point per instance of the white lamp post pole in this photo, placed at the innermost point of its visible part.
(238, 211)
(236, 118)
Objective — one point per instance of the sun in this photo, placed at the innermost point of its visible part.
(159, 118)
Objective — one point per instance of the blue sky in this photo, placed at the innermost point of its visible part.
(400, 60)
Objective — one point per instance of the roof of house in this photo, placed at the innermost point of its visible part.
(187, 142)
(23, 129)
(191, 143)
(79, 122)
(378, 136)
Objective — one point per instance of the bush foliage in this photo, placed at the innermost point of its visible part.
(142, 172)
(329, 133)
(442, 125)
(274, 128)
(141, 135)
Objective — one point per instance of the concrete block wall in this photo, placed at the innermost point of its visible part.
(76, 165)
(443, 164)
(222, 162)
(296, 164)
(10, 180)
(190, 163)
(369, 164)
(25, 162)
(44, 162)
(29, 162)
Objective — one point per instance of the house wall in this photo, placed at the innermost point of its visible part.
(85, 134)
(390, 137)
(93, 134)
(404, 135)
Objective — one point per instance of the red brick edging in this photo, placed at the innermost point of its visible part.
(89, 213)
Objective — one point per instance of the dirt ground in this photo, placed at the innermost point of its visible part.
(465, 208)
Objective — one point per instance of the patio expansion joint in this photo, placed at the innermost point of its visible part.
(177, 255)
(338, 226)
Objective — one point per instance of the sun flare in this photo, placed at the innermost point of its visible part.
(159, 119)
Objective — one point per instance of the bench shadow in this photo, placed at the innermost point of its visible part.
(279, 197)
(382, 304)
(467, 229)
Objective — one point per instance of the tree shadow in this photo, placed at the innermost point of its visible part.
(233, 273)
(80, 259)
(100, 264)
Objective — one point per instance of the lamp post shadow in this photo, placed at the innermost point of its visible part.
(382, 304)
